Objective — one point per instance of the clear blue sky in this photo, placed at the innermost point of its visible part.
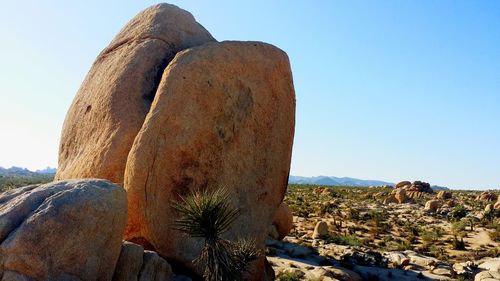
(387, 90)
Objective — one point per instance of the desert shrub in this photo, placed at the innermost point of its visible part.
(327, 208)
(437, 252)
(208, 215)
(288, 276)
(458, 212)
(351, 240)
(432, 235)
(353, 213)
(490, 216)
(404, 245)
(8, 182)
(458, 228)
(495, 233)
(458, 244)
(412, 228)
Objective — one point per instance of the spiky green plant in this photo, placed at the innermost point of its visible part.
(208, 215)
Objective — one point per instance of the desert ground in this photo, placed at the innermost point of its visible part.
(349, 233)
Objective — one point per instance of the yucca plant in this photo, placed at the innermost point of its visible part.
(208, 215)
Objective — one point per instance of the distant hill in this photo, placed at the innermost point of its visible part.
(47, 170)
(324, 180)
(438, 188)
(17, 176)
(20, 171)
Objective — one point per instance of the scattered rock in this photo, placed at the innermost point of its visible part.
(320, 230)
(443, 194)
(366, 258)
(154, 268)
(63, 230)
(129, 263)
(432, 205)
(443, 270)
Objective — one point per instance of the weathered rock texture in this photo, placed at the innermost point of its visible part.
(432, 205)
(129, 263)
(283, 220)
(111, 104)
(397, 196)
(444, 194)
(67, 230)
(223, 115)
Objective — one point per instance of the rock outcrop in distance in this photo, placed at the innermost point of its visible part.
(167, 110)
(405, 191)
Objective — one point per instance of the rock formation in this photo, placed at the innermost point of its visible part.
(283, 221)
(223, 115)
(166, 110)
(415, 189)
(432, 205)
(67, 230)
(487, 196)
(109, 109)
(138, 264)
(402, 184)
(443, 194)
(320, 230)
(397, 196)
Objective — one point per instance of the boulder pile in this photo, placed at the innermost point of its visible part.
(487, 196)
(164, 111)
(405, 191)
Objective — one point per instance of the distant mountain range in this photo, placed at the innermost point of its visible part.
(19, 171)
(324, 180)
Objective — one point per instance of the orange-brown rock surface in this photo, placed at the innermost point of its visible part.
(283, 220)
(443, 194)
(486, 196)
(432, 205)
(112, 102)
(223, 115)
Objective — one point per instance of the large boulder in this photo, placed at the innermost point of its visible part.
(137, 264)
(443, 194)
(283, 220)
(400, 195)
(109, 109)
(320, 230)
(432, 205)
(403, 184)
(223, 116)
(67, 230)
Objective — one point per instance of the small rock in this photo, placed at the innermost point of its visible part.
(320, 230)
